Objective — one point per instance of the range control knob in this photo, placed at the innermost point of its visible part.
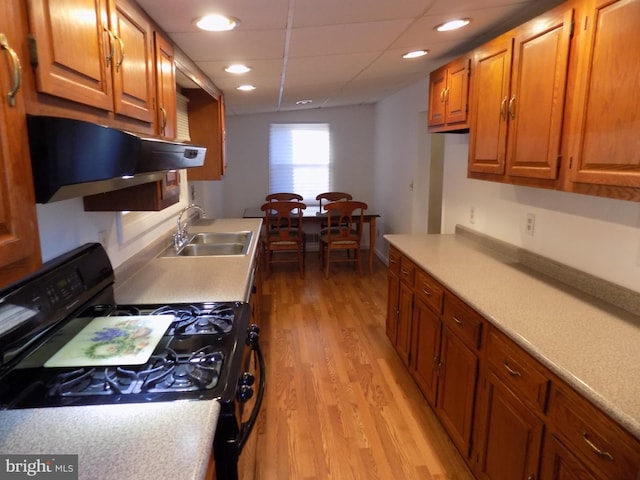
(253, 335)
(247, 379)
(245, 393)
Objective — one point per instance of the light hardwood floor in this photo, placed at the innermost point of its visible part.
(339, 403)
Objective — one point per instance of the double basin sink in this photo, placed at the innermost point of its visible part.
(212, 244)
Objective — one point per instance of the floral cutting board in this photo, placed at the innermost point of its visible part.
(111, 341)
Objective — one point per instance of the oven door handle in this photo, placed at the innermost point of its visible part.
(247, 427)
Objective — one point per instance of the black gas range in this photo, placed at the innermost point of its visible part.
(65, 342)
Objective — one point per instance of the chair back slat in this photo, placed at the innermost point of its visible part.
(283, 197)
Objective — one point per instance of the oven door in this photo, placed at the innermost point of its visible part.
(238, 418)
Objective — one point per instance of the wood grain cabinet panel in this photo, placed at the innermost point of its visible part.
(518, 83)
(508, 434)
(560, 464)
(425, 349)
(104, 61)
(393, 288)
(458, 370)
(517, 370)
(207, 128)
(449, 96)
(599, 443)
(166, 87)
(19, 242)
(606, 110)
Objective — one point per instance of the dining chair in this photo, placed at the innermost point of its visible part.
(327, 197)
(348, 216)
(283, 197)
(283, 232)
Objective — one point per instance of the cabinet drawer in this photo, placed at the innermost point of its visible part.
(517, 370)
(592, 436)
(429, 290)
(394, 260)
(463, 320)
(407, 271)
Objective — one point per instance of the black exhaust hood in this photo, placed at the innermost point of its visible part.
(71, 158)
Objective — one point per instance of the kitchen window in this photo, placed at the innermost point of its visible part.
(300, 159)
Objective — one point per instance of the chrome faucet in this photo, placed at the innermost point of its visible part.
(182, 235)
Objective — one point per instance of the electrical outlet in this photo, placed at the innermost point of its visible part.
(531, 224)
(472, 215)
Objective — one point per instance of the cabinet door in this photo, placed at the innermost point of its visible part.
(133, 62)
(606, 113)
(393, 289)
(536, 103)
(490, 84)
(457, 92)
(456, 390)
(437, 91)
(425, 349)
(509, 435)
(19, 243)
(207, 127)
(166, 87)
(405, 310)
(558, 463)
(74, 57)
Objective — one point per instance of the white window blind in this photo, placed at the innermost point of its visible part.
(300, 159)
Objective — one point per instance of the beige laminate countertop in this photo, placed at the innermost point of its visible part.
(146, 441)
(149, 279)
(592, 345)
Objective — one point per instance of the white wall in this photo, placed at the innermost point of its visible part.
(246, 182)
(597, 235)
(401, 180)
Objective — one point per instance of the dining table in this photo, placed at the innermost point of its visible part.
(313, 215)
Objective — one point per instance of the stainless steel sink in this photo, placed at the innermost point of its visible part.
(216, 238)
(212, 244)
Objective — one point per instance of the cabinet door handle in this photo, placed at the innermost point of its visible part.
(593, 447)
(112, 46)
(446, 94)
(404, 272)
(442, 95)
(512, 107)
(16, 73)
(119, 62)
(513, 372)
(391, 260)
(503, 108)
(426, 292)
(164, 120)
(459, 322)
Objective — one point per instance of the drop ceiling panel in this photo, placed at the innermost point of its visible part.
(339, 52)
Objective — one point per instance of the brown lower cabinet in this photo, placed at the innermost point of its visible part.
(509, 416)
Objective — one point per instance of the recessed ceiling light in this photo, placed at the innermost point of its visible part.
(237, 68)
(246, 88)
(304, 102)
(216, 23)
(453, 25)
(415, 54)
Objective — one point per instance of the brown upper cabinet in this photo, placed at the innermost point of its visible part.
(449, 96)
(207, 127)
(604, 146)
(19, 242)
(518, 96)
(105, 61)
(166, 87)
(553, 102)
